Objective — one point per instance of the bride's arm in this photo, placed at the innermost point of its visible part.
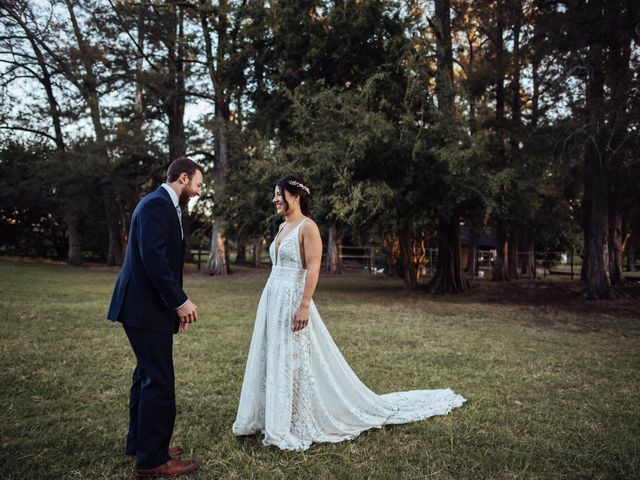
(312, 244)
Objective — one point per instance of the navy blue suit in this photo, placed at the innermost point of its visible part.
(146, 295)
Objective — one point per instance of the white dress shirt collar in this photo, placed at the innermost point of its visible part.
(172, 194)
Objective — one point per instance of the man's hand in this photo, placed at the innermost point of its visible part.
(188, 313)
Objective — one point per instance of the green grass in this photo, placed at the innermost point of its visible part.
(552, 387)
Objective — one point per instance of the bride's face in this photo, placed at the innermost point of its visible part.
(279, 201)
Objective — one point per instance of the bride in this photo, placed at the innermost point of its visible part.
(298, 388)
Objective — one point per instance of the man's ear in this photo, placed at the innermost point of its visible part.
(184, 177)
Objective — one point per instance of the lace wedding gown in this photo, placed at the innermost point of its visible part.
(298, 388)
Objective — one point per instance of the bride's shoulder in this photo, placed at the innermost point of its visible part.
(309, 226)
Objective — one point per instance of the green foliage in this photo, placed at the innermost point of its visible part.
(340, 93)
(246, 206)
(41, 189)
(26, 224)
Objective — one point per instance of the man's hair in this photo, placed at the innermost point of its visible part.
(182, 165)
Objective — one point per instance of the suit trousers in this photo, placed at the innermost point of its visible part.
(152, 402)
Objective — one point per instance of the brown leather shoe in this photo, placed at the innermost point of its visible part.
(173, 452)
(172, 468)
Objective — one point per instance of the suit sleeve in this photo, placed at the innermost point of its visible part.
(154, 226)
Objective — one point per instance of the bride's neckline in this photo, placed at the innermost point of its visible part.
(275, 240)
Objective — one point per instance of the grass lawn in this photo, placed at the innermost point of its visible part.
(552, 382)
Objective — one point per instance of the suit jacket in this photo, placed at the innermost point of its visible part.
(149, 287)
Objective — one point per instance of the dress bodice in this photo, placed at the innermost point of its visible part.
(288, 254)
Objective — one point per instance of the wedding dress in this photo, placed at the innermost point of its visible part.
(298, 388)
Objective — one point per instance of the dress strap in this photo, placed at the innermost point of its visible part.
(297, 231)
(300, 224)
(298, 242)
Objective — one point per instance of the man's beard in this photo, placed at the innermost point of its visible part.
(185, 196)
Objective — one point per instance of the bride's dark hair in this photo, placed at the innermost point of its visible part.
(296, 187)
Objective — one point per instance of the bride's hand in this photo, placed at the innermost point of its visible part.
(301, 318)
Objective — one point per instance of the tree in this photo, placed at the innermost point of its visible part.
(40, 57)
(27, 227)
(449, 277)
(218, 262)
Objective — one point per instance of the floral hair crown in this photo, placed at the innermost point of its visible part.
(299, 185)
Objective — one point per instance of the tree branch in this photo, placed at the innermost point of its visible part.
(30, 130)
(191, 93)
(133, 40)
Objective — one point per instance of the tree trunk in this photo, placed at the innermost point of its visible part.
(89, 81)
(529, 260)
(536, 80)
(241, 256)
(599, 282)
(257, 251)
(74, 254)
(529, 267)
(175, 103)
(391, 253)
(54, 108)
(444, 56)
(471, 62)
(472, 258)
(586, 224)
(500, 72)
(215, 67)
(616, 248)
(333, 263)
(419, 255)
(500, 264)
(217, 262)
(627, 236)
(449, 277)
(114, 252)
(622, 20)
(516, 117)
(406, 256)
(139, 97)
(87, 84)
(513, 255)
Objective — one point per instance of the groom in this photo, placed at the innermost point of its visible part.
(149, 301)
